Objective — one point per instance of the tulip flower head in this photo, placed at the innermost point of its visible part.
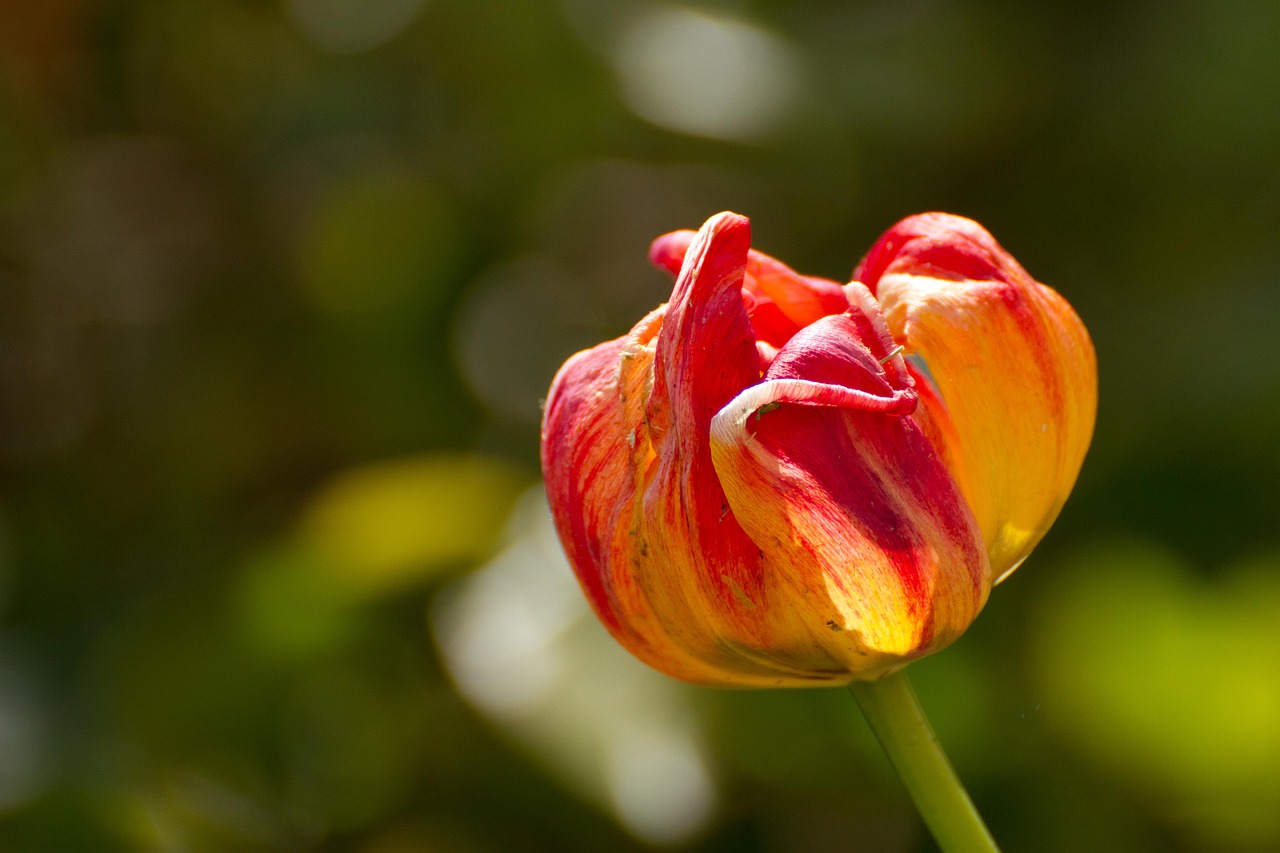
(779, 480)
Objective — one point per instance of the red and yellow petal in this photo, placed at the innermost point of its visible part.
(584, 460)
(1013, 370)
(694, 564)
(870, 542)
(640, 510)
(594, 452)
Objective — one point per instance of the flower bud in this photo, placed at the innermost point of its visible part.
(755, 488)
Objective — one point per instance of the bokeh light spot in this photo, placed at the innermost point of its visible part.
(520, 643)
(659, 784)
(24, 739)
(387, 524)
(707, 76)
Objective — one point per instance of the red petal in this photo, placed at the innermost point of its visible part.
(706, 353)
(786, 300)
(832, 351)
(667, 252)
(939, 245)
(768, 323)
(802, 298)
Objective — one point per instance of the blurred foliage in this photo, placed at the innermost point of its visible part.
(281, 286)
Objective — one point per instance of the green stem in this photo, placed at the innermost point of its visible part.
(894, 713)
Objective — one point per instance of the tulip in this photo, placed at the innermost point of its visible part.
(779, 480)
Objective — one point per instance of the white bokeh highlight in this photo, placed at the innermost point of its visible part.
(704, 75)
(522, 646)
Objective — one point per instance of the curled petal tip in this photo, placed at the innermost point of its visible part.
(706, 352)
(668, 251)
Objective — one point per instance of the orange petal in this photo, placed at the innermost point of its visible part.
(1014, 373)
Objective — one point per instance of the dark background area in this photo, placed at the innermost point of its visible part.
(282, 285)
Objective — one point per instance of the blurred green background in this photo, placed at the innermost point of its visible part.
(283, 281)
